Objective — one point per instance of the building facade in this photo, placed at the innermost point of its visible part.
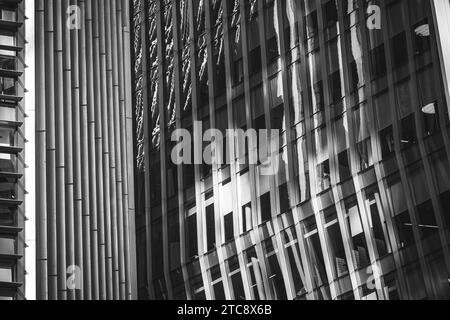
(12, 215)
(360, 206)
(84, 166)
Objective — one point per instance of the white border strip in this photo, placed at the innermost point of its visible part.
(30, 203)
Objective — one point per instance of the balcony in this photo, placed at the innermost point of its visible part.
(8, 99)
(10, 285)
(10, 3)
(10, 202)
(8, 249)
(10, 48)
(10, 231)
(8, 67)
(10, 25)
(9, 290)
(10, 258)
(10, 150)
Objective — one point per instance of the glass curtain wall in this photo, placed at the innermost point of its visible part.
(359, 208)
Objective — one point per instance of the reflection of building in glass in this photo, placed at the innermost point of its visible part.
(12, 242)
(360, 208)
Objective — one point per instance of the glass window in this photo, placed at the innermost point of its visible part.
(430, 119)
(266, 209)
(7, 63)
(6, 274)
(295, 94)
(317, 95)
(378, 62)
(239, 114)
(312, 25)
(377, 223)
(301, 169)
(210, 227)
(157, 248)
(391, 283)
(254, 42)
(441, 169)
(272, 32)
(8, 15)
(364, 152)
(415, 282)
(427, 222)
(395, 17)
(439, 275)
(396, 192)
(344, 166)
(331, 13)
(236, 279)
(383, 110)
(179, 291)
(7, 216)
(408, 131)
(323, 176)
(274, 271)
(335, 243)
(229, 227)
(321, 144)
(404, 229)
(6, 137)
(361, 122)
(8, 86)
(174, 240)
(426, 89)
(278, 118)
(276, 90)
(336, 89)
(191, 240)
(422, 37)
(403, 97)
(314, 250)
(217, 284)
(247, 223)
(7, 38)
(359, 249)
(294, 260)
(219, 70)
(255, 64)
(284, 198)
(290, 8)
(8, 163)
(254, 273)
(7, 245)
(418, 183)
(399, 50)
(198, 289)
(387, 142)
(7, 188)
(8, 114)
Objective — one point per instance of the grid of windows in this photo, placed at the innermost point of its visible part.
(11, 146)
(359, 206)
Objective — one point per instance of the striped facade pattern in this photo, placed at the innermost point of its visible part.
(84, 165)
(360, 208)
(12, 143)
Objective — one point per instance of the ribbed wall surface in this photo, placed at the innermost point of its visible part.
(85, 201)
